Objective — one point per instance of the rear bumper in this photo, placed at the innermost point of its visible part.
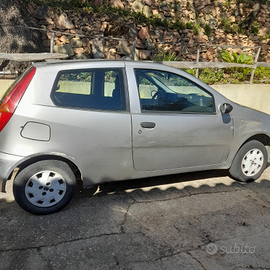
(7, 165)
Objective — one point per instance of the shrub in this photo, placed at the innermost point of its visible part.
(207, 30)
(189, 25)
(196, 29)
(255, 27)
(234, 58)
(166, 56)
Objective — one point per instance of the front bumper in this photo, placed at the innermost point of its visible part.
(7, 165)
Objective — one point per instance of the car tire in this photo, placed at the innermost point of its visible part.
(250, 162)
(44, 187)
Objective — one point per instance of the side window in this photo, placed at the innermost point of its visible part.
(164, 91)
(74, 83)
(100, 89)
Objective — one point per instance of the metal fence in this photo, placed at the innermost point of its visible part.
(177, 64)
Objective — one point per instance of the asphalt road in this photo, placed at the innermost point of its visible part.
(188, 221)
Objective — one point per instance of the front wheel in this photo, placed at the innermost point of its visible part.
(250, 162)
(44, 187)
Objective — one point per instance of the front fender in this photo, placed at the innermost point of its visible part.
(249, 125)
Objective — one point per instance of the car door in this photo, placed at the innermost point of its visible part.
(92, 121)
(178, 124)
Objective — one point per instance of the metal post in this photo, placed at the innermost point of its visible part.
(255, 62)
(133, 50)
(197, 60)
(52, 42)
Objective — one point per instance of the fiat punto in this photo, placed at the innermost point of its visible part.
(96, 121)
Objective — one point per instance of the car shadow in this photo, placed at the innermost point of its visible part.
(121, 186)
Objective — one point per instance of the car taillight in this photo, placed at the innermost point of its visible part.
(12, 99)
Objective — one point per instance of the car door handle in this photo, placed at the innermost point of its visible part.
(148, 124)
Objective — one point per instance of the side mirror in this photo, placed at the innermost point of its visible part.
(225, 108)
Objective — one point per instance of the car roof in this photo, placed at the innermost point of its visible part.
(78, 61)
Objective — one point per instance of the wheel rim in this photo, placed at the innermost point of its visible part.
(45, 188)
(252, 162)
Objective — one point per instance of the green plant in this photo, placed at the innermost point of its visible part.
(228, 3)
(196, 29)
(226, 25)
(234, 58)
(189, 25)
(179, 25)
(266, 36)
(211, 75)
(262, 75)
(238, 74)
(223, 76)
(241, 29)
(166, 56)
(207, 29)
(255, 27)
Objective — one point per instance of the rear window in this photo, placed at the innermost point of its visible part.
(100, 89)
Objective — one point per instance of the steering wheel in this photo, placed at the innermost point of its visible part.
(157, 94)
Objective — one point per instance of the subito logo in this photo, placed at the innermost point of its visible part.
(211, 249)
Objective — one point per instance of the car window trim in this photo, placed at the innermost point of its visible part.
(124, 89)
(174, 112)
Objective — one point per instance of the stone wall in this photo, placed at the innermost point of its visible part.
(17, 39)
(98, 31)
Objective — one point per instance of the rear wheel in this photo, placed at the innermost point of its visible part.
(44, 187)
(250, 162)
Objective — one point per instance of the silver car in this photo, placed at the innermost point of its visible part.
(98, 121)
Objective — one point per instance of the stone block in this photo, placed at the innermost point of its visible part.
(110, 57)
(103, 26)
(232, 19)
(209, 17)
(42, 13)
(66, 49)
(137, 6)
(46, 43)
(98, 2)
(123, 48)
(164, 6)
(62, 22)
(207, 10)
(149, 2)
(85, 42)
(139, 44)
(133, 32)
(117, 4)
(144, 33)
(97, 48)
(76, 42)
(32, 7)
(112, 51)
(147, 11)
(149, 44)
(144, 55)
(78, 50)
